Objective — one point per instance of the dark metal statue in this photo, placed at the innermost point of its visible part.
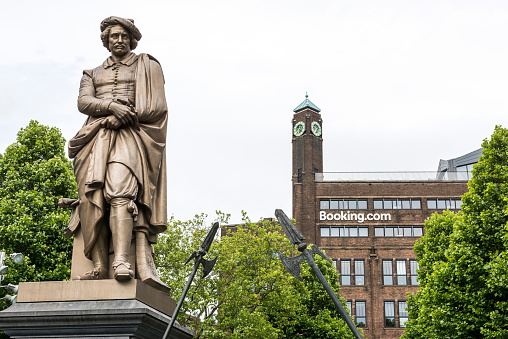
(293, 264)
(207, 268)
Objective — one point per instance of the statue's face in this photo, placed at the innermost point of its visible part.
(119, 41)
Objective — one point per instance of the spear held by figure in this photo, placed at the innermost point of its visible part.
(293, 264)
(207, 268)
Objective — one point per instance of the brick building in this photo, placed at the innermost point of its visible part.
(368, 222)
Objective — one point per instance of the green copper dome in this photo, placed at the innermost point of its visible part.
(306, 103)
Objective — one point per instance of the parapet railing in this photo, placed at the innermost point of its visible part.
(393, 176)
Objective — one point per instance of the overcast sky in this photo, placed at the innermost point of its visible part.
(400, 84)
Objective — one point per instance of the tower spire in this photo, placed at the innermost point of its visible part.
(306, 103)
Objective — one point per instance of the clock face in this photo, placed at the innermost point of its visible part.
(299, 129)
(315, 128)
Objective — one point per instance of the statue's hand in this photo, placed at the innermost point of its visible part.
(111, 122)
(68, 202)
(123, 113)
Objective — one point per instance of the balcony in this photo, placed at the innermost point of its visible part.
(393, 176)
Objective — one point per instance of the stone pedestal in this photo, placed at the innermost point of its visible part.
(90, 309)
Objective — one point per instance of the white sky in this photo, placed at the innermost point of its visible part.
(401, 84)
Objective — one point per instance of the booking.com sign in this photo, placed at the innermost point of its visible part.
(348, 216)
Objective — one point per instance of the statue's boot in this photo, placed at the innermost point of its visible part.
(121, 224)
(100, 258)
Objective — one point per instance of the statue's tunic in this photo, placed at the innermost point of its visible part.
(137, 80)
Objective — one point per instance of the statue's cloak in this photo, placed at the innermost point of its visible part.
(143, 153)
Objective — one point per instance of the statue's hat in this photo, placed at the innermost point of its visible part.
(127, 23)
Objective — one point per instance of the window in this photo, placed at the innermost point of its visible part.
(397, 204)
(464, 168)
(388, 204)
(360, 314)
(441, 204)
(413, 267)
(416, 204)
(353, 231)
(398, 231)
(324, 204)
(334, 204)
(363, 231)
(358, 276)
(406, 204)
(335, 232)
(345, 272)
(431, 204)
(344, 231)
(325, 231)
(387, 272)
(403, 314)
(349, 306)
(401, 272)
(417, 231)
(362, 204)
(389, 313)
(388, 231)
(351, 204)
(343, 204)
(444, 203)
(359, 272)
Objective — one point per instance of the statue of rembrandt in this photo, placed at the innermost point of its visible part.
(119, 157)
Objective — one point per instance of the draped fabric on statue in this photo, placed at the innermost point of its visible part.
(143, 152)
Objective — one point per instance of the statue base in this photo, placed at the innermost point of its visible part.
(90, 309)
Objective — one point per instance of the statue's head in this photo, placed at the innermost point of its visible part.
(119, 35)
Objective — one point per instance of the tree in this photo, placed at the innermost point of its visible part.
(173, 248)
(430, 254)
(464, 258)
(34, 174)
(253, 295)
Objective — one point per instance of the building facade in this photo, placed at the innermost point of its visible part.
(368, 222)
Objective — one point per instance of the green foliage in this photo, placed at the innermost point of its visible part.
(317, 316)
(464, 258)
(173, 248)
(34, 174)
(251, 295)
(430, 249)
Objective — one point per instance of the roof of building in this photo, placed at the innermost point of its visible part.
(306, 103)
(466, 159)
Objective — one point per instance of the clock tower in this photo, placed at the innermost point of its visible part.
(307, 142)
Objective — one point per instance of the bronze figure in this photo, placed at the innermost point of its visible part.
(119, 157)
